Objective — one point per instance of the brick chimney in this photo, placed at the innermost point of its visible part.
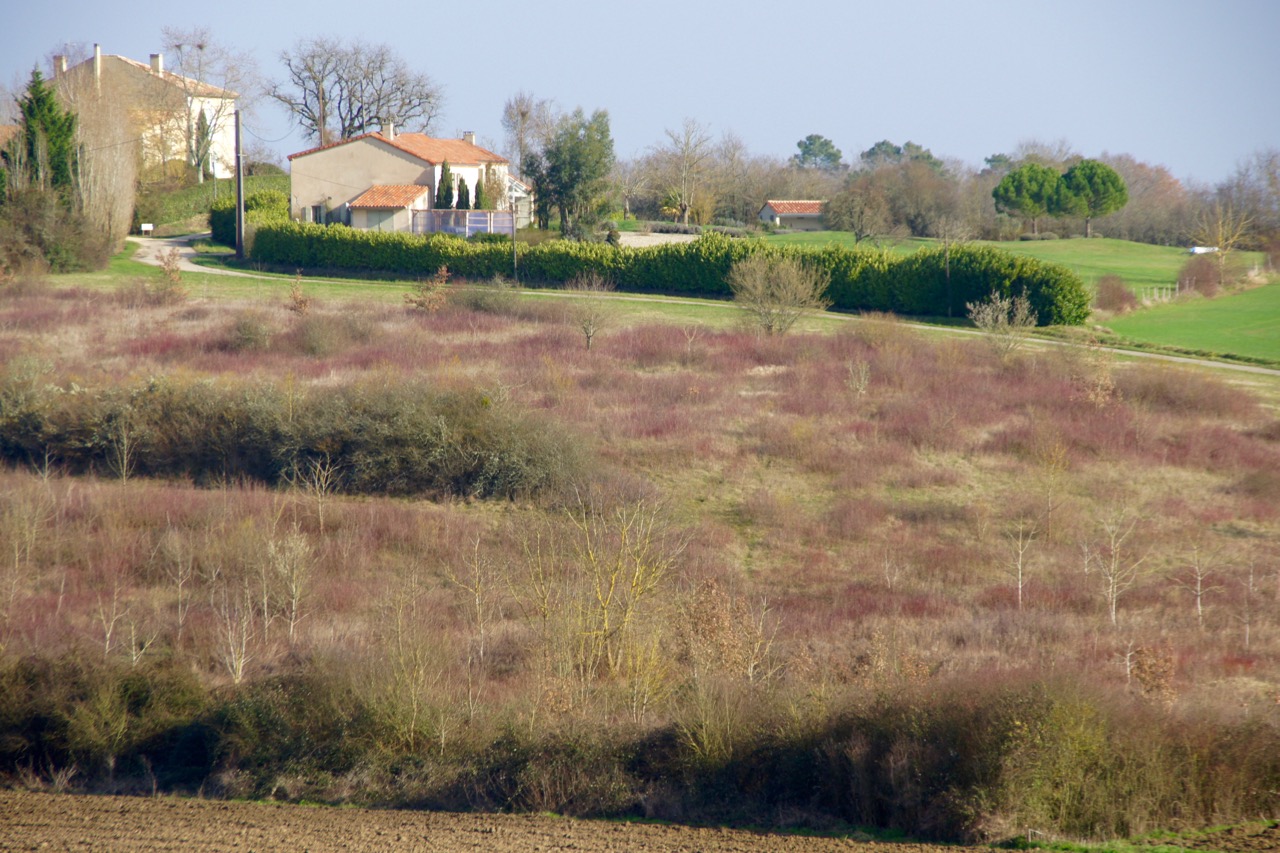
(59, 66)
(157, 63)
(469, 137)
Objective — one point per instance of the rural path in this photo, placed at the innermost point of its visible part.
(149, 249)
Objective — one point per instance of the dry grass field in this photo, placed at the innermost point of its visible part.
(864, 578)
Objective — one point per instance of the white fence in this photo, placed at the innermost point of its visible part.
(464, 223)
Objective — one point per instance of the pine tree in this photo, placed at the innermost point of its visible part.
(444, 192)
(464, 195)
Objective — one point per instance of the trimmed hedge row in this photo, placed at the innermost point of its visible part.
(861, 279)
(403, 440)
(259, 208)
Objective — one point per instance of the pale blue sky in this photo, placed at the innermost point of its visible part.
(1191, 86)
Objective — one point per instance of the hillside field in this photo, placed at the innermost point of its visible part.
(326, 548)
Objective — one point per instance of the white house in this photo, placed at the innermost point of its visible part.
(387, 180)
(797, 215)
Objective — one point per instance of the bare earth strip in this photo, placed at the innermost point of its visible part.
(31, 821)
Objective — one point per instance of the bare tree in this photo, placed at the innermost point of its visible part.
(591, 310)
(1197, 579)
(1226, 227)
(214, 79)
(1019, 563)
(630, 181)
(336, 90)
(1118, 567)
(528, 123)
(108, 149)
(775, 292)
(1005, 319)
(684, 166)
(290, 559)
(861, 208)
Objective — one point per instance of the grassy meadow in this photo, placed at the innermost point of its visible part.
(1141, 265)
(1246, 323)
(857, 575)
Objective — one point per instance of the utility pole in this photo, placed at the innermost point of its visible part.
(511, 196)
(239, 192)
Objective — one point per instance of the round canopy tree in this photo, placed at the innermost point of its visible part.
(1091, 189)
(1028, 191)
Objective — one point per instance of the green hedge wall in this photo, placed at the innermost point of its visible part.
(861, 279)
(260, 208)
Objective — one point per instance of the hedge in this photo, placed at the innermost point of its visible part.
(861, 279)
(260, 208)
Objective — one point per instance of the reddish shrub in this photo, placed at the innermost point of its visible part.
(1201, 274)
(1114, 295)
(1183, 392)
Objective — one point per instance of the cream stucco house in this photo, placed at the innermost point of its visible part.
(166, 112)
(387, 181)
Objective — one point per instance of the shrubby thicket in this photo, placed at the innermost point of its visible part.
(957, 762)
(403, 440)
(930, 282)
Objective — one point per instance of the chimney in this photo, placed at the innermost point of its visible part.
(97, 63)
(157, 63)
(59, 66)
(469, 137)
(390, 130)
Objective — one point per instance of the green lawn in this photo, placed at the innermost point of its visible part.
(1245, 324)
(1142, 266)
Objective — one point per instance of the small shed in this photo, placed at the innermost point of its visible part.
(794, 214)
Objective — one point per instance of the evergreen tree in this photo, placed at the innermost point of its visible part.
(481, 201)
(464, 195)
(444, 192)
(1029, 191)
(1091, 189)
(204, 169)
(45, 148)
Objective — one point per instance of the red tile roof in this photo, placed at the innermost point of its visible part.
(458, 152)
(797, 208)
(382, 197)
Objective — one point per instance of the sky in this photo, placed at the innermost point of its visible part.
(1194, 87)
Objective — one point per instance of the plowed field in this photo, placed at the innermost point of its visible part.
(65, 822)
(31, 821)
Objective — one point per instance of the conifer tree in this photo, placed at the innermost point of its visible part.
(481, 201)
(464, 194)
(46, 143)
(444, 192)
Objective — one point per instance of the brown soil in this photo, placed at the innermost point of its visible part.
(1238, 839)
(30, 821)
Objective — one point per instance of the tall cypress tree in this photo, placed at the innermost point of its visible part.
(47, 140)
(481, 201)
(464, 194)
(444, 192)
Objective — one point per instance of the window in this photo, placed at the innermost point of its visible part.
(317, 213)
